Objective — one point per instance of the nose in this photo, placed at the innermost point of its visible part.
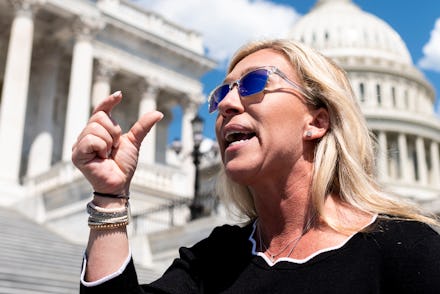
(232, 103)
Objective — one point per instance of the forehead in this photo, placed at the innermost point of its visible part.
(260, 58)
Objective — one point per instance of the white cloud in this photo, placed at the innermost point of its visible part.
(227, 24)
(431, 51)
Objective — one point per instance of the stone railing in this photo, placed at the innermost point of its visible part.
(60, 174)
(167, 179)
(156, 177)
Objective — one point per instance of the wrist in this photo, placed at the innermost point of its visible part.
(106, 202)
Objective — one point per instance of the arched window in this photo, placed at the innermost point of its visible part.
(393, 96)
(362, 92)
(378, 95)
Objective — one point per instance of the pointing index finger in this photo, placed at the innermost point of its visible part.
(109, 103)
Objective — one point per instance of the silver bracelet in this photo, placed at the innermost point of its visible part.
(101, 218)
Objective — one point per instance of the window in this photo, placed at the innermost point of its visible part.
(362, 92)
(378, 95)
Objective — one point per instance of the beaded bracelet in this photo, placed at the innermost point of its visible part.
(108, 226)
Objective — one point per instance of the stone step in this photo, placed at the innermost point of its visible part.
(35, 260)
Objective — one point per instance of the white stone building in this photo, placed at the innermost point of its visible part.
(58, 58)
(394, 95)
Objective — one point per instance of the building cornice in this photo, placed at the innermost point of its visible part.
(403, 122)
(149, 32)
(410, 73)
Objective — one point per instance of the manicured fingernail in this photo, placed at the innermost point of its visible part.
(117, 93)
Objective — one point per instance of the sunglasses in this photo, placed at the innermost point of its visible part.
(251, 83)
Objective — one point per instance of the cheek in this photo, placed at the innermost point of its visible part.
(286, 128)
(218, 124)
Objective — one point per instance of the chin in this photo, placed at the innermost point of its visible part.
(240, 174)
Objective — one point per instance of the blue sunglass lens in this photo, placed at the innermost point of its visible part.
(217, 96)
(253, 83)
(250, 84)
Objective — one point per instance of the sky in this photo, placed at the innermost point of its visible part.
(227, 24)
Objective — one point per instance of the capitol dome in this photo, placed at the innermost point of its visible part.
(395, 97)
(341, 28)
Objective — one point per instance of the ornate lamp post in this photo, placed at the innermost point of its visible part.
(196, 208)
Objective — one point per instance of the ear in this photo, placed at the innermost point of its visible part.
(318, 125)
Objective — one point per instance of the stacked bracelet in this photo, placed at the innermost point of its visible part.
(107, 218)
(108, 226)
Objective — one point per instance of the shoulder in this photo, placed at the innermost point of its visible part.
(404, 233)
(410, 253)
(223, 237)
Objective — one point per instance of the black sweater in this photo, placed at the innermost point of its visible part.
(393, 257)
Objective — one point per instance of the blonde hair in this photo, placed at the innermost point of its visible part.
(344, 162)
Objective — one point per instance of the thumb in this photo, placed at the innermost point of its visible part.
(141, 128)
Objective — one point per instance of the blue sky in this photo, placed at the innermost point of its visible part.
(226, 24)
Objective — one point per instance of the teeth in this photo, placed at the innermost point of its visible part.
(237, 137)
(237, 142)
(233, 135)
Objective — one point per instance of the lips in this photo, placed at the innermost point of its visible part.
(236, 135)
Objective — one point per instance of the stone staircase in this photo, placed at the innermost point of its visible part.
(35, 260)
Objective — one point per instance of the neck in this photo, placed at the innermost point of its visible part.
(283, 243)
(283, 204)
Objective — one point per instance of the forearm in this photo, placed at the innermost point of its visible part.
(107, 249)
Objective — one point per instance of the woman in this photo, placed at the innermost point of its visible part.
(298, 162)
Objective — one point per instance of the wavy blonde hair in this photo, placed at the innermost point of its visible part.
(344, 161)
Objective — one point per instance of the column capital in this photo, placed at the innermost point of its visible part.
(26, 7)
(150, 87)
(190, 108)
(86, 27)
(196, 97)
(105, 70)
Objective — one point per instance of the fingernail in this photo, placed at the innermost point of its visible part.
(117, 93)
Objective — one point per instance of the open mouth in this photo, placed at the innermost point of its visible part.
(233, 138)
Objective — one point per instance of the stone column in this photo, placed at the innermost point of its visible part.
(44, 90)
(15, 90)
(382, 156)
(435, 164)
(421, 161)
(149, 92)
(102, 85)
(189, 112)
(403, 158)
(78, 102)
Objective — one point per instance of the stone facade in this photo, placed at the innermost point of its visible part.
(58, 59)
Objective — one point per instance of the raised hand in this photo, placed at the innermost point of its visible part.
(105, 156)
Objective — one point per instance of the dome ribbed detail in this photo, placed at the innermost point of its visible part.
(339, 28)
